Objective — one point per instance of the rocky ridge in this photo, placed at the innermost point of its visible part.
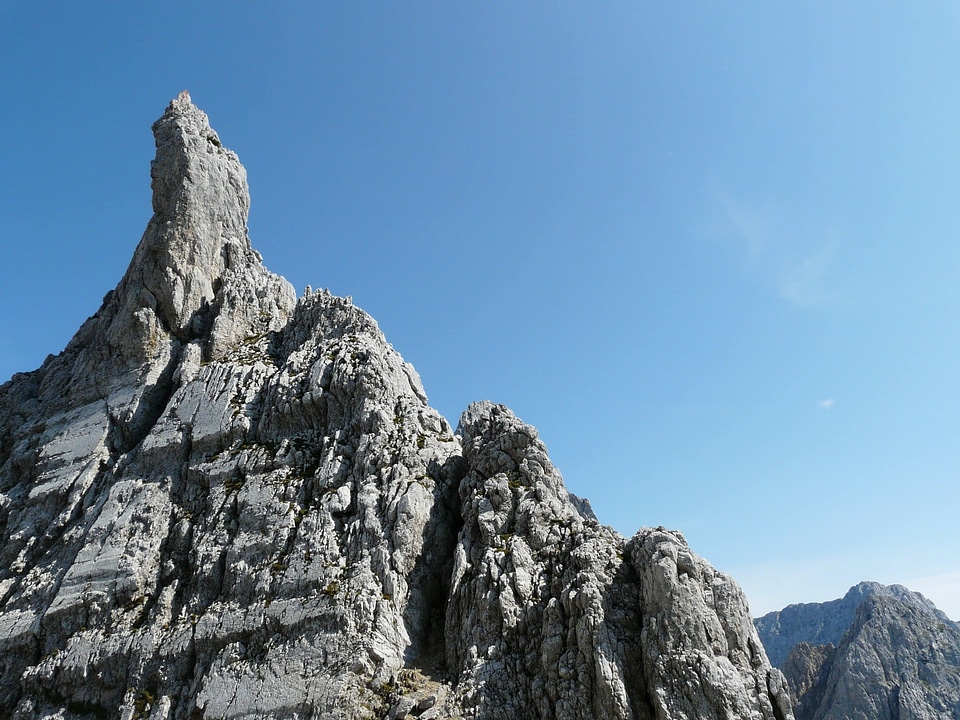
(879, 653)
(221, 501)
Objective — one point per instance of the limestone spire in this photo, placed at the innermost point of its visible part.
(195, 247)
(199, 225)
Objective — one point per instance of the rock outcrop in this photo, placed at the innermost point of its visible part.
(896, 656)
(220, 501)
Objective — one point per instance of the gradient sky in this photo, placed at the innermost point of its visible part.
(709, 249)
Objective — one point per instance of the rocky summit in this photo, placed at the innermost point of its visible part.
(878, 653)
(224, 501)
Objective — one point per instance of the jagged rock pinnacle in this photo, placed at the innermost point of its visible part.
(195, 288)
(199, 227)
(194, 275)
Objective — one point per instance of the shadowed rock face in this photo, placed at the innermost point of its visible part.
(220, 501)
(897, 657)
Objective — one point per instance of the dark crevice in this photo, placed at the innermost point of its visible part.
(624, 614)
(778, 712)
(16, 658)
(430, 581)
(894, 703)
(189, 499)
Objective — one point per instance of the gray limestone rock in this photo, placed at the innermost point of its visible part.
(552, 615)
(220, 501)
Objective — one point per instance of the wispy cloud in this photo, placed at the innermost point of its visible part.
(780, 251)
(804, 284)
(751, 225)
(826, 404)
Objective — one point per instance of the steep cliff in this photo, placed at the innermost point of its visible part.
(879, 653)
(220, 501)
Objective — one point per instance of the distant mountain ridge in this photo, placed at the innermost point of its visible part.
(823, 623)
(878, 653)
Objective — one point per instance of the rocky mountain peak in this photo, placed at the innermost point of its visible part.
(194, 178)
(826, 622)
(880, 652)
(221, 502)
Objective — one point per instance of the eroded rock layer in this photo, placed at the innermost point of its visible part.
(220, 501)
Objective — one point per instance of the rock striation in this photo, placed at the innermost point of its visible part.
(222, 501)
(879, 653)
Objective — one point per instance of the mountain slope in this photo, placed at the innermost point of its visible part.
(220, 501)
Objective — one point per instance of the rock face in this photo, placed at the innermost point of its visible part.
(897, 657)
(220, 501)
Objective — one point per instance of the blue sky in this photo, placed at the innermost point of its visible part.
(709, 250)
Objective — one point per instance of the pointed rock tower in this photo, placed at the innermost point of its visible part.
(220, 501)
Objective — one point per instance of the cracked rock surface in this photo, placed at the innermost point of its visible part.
(221, 501)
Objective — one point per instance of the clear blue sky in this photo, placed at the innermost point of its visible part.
(709, 249)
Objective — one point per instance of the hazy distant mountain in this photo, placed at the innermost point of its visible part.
(878, 653)
(822, 623)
